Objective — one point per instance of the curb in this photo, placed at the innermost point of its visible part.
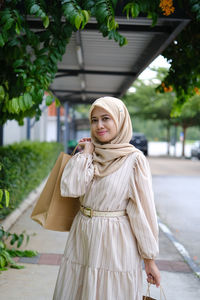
(180, 248)
(29, 200)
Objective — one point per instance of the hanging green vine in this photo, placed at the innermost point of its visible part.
(183, 55)
(29, 58)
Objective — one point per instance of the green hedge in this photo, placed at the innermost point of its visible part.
(24, 166)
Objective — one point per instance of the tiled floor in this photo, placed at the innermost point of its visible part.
(55, 259)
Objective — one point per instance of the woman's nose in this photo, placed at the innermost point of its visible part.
(100, 124)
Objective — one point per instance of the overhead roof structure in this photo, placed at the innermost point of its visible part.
(94, 66)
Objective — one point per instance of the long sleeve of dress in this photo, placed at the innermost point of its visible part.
(141, 209)
(77, 174)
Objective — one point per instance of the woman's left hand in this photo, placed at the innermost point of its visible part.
(153, 274)
(87, 145)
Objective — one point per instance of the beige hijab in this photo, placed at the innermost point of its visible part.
(109, 157)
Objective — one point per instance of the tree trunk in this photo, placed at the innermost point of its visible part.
(183, 141)
(168, 139)
(175, 139)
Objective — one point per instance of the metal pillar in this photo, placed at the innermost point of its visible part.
(73, 125)
(175, 139)
(1, 135)
(58, 124)
(66, 132)
(28, 129)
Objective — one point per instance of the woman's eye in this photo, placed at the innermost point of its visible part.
(94, 120)
(105, 118)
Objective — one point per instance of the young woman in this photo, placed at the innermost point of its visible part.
(116, 226)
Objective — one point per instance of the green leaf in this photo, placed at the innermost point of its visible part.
(53, 58)
(2, 43)
(7, 197)
(49, 99)
(17, 28)
(14, 238)
(9, 106)
(78, 21)
(5, 15)
(18, 63)
(3, 269)
(2, 261)
(2, 245)
(195, 8)
(15, 266)
(21, 253)
(40, 13)
(122, 41)
(2, 92)
(21, 103)
(57, 102)
(86, 16)
(46, 21)
(35, 8)
(8, 24)
(135, 10)
(27, 100)
(20, 240)
(14, 42)
(1, 234)
(30, 253)
(1, 195)
(15, 105)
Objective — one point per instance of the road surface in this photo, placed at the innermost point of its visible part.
(176, 184)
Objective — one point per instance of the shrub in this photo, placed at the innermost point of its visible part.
(25, 165)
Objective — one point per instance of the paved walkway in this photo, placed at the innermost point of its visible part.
(37, 280)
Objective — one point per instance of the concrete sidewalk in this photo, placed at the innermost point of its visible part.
(37, 280)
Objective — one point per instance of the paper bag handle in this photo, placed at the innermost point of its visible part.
(161, 292)
(73, 152)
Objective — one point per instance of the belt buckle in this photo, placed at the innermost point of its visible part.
(90, 210)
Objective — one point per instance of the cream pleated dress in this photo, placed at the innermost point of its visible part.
(102, 258)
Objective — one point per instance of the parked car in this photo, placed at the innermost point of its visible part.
(195, 150)
(140, 141)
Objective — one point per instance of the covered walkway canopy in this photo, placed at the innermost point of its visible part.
(94, 66)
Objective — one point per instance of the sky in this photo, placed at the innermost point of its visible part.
(160, 61)
(147, 74)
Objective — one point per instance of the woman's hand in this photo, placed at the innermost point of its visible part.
(87, 145)
(153, 274)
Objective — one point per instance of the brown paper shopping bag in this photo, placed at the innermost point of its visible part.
(53, 211)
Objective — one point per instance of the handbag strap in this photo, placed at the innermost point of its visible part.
(73, 152)
(161, 292)
(148, 291)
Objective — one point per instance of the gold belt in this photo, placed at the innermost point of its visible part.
(89, 212)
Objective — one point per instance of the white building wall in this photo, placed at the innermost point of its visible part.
(12, 132)
(51, 129)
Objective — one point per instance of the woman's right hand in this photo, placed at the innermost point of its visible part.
(87, 145)
(153, 274)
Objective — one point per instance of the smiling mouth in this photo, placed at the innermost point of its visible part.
(101, 133)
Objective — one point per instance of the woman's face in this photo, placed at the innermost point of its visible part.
(103, 127)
